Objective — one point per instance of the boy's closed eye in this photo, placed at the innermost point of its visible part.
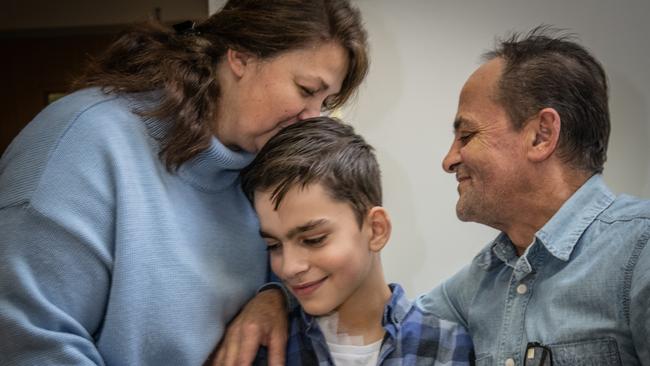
(315, 240)
(272, 244)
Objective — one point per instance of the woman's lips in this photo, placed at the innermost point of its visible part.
(307, 288)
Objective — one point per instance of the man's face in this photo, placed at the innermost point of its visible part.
(486, 155)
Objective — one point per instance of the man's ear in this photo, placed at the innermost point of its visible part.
(238, 61)
(543, 134)
(380, 227)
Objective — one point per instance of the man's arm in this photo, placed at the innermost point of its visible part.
(263, 321)
(447, 299)
(640, 305)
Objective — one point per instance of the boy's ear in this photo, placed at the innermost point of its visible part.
(380, 227)
(543, 134)
(238, 61)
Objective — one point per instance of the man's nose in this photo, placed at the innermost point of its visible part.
(452, 159)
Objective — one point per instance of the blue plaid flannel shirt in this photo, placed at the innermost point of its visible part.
(413, 337)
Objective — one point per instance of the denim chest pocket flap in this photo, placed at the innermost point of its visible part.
(597, 352)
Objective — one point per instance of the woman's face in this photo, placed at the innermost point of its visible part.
(260, 96)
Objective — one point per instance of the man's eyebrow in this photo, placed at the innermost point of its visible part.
(297, 230)
(461, 122)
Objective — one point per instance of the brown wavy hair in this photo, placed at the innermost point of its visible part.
(183, 63)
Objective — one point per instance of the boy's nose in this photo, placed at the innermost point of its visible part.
(294, 263)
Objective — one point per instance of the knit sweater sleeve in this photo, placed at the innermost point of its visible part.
(56, 225)
(54, 288)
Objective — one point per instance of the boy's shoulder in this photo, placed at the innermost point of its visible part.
(408, 315)
(422, 334)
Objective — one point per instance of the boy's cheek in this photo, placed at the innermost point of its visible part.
(276, 265)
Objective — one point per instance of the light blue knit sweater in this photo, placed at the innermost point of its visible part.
(105, 257)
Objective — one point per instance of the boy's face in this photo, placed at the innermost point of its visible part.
(316, 247)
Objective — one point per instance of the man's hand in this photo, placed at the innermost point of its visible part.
(263, 321)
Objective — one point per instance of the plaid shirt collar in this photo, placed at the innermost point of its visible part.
(395, 311)
(412, 337)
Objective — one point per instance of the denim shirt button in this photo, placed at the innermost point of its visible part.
(510, 362)
(522, 289)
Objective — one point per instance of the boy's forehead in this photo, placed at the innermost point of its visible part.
(300, 208)
(276, 196)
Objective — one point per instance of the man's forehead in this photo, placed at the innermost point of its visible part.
(484, 80)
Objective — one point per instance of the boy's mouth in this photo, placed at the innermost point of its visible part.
(307, 288)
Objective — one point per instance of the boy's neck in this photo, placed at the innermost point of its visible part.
(362, 313)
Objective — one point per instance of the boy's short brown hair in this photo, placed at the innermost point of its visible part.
(320, 150)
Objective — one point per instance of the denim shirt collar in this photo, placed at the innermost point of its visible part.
(562, 232)
(559, 235)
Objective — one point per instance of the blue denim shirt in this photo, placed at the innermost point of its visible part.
(582, 287)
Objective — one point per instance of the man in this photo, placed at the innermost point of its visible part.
(569, 275)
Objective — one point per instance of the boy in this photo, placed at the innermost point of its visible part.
(316, 188)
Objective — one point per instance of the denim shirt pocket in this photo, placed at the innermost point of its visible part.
(596, 352)
(483, 359)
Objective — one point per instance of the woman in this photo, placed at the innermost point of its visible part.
(126, 239)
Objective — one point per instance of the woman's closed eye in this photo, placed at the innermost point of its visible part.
(306, 91)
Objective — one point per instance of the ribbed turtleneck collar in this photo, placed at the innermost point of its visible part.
(215, 168)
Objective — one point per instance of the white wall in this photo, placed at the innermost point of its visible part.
(422, 52)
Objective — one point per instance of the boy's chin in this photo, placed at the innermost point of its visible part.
(321, 313)
(319, 310)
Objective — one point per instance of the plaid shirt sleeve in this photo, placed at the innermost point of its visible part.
(431, 341)
(416, 337)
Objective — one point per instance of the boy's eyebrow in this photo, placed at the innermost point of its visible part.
(306, 227)
(297, 230)
(266, 235)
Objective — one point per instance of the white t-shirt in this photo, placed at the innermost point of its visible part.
(347, 355)
(347, 350)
